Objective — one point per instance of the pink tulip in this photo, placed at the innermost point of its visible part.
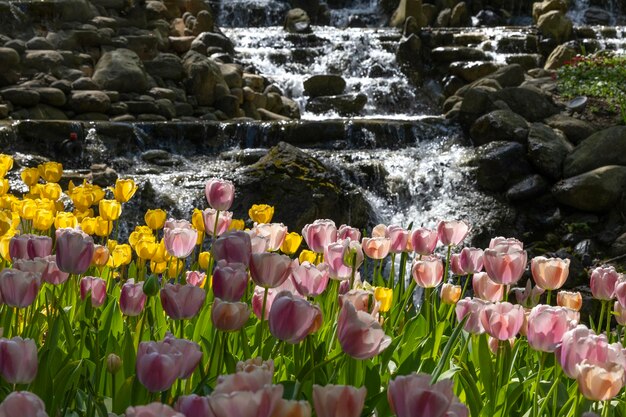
(292, 408)
(19, 289)
(546, 327)
(399, 238)
(494, 344)
(319, 234)
(233, 247)
(252, 364)
(158, 365)
(428, 271)
(413, 395)
(580, 344)
(257, 297)
(502, 320)
(193, 405)
(452, 232)
(338, 400)
(35, 265)
(230, 281)
(549, 273)
(620, 314)
(344, 286)
(191, 354)
(223, 221)
(352, 253)
(259, 244)
(74, 250)
(52, 274)
(152, 410)
(620, 290)
(528, 296)
(22, 404)
(180, 239)
(348, 232)
(376, 247)
(18, 360)
(229, 316)
(97, 287)
(334, 258)
(424, 241)
(195, 278)
(473, 308)
(292, 318)
(358, 298)
(360, 335)
(486, 289)
(132, 298)
(182, 301)
(269, 270)
(506, 242)
(571, 300)
(274, 233)
(219, 193)
(310, 280)
(380, 230)
(471, 260)
(261, 403)
(29, 246)
(251, 380)
(600, 381)
(505, 265)
(455, 264)
(603, 282)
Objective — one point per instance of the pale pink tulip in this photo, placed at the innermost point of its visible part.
(193, 405)
(376, 247)
(473, 308)
(600, 381)
(230, 281)
(452, 232)
(471, 260)
(360, 335)
(18, 360)
(158, 365)
(180, 238)
(96, 288)
(52, 274)
(620, 314)
(380, 230)
(528, 296)
(580, 344)
(223, 221)
(261, 403)
(334, 258)
(274, 233)
(546, 327)
(424, 241)
(319, 234)
(620, 290)
(233, 247)
(29, 246)
(257, 297)
(269, 270)
(352, 253)
(259, 244)
(348, 232)
(505, 264)
(191, 354)
(219, 193)
(152, 410)
(132, 298)
(486, 289)
(19, 289)
(338, 400)
(455, 264)
(414, 395)
(549, 273)
(603, 282)
(22, 404)
(502, 320)
(195, 278)
(494, 344)
(428, 271)
(74, 250)
(182, 301)
(229, 316)
(505, 242)
(35, 265)
(399, 237)
(250, 365)
(245, 380)
(358, 298)
(310, 280)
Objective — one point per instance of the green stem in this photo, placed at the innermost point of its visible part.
(427, 307)
(391, 281)
(259, 343)
(608, 320)
(313, 369)
(599, 325)
(353, 271)
(549, 297)
(537, 380)
(447, 267)
(467, 281)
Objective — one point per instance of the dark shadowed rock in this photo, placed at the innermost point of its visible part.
(606, 147)
(324, 85)
(500, 164)
(575, 129)
(529, 102)
(595, 191)
(121, 70)
(344, 104)
(499, 125)
(297, 21)
(529, 187)
(547, 150)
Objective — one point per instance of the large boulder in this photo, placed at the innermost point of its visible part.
(48, 61)
(499, 125)
(547, 150)
(203, 76)
(324, 85)
(575, 129)
(606, 147)
(472, 70)
(344, 104)
(542, 7)
(166, 67)
(555, 25)
(597, 191)
(121, 70)
(302, 189)
(90, 101)
(559, 56)
(500, 164)
(406, 9)
(297, 21)
(19, 96)
(529, 102)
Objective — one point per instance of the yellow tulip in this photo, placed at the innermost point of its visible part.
(46, 204)
(103, 227)
(4, 186)
(111, 244)
(81, 198)
(197, 220)
(6, 221)
(15, 219)
(200, 237)
(110, 209)
(155, 219)
(30, 176)
(138, 234)
(6, 163)
(203, 259)
(51, 171)
(124, 190)
(82, 214)
(384, 296)
(43, 220)
(291, 243)
(261, 213)
(50, 191)
(158, 267)
(28, 209)
(65, 219)
(7, 201)
(236, 224)
(4, 244)
(146, 247)
(88, 224)
(307, 255)
(120, 255)
(100, 255)
(175, 266)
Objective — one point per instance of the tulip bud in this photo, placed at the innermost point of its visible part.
(261, 213)
(219, 193)
(155, 219)
(124, 190)
(51, 171)
(114, 363)
(450, 293)
(291, 243)
(384, 296)
(571, 300)
(151, 286)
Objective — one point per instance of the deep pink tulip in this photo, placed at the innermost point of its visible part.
(360, 335)
(274, 233)
(132, 298)
(580, 344)
(191, 354)
(334, 258)
(269, 270)
(19, 289)
(52, 274)
(413, 395)
(452, 232)
(257, 297)
(180, 239)
(182, 301)
(29, 246)
(505, 264)
(158, 365)
(74, 250)
(22, 404)
(250, 379)
(223, 221)
(471, 260)
(502, 320)
(344, 286)
(455, 264)
(603, 282)
(310, 280)
(486, 289)
(506, 242)
(338, 400)
(230, 281)
(399, 237)
(473, 308)
(528, 296)
(376, 247)
(219, 193)
(97, 287)
(348, 232)
(424, 241)
(261, 403)
(319, 234)
(233, 247)
(195, 278)
(293, 318)
(546, 327)
(18, 360)
(152, 410)
(229, 316)
(428, 271)
(549, 273)
(193, 405)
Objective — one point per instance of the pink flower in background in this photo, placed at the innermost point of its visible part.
(29, 246)
(230, 281)
(506, 242)
(578, 344)
(452, 232)
(424, 241)
(414, 395)
(528, 296)
(274, 233)
(74, 250)
(22, 404)
(193, 405)
(18, 360)
(233, 247)
(191, 354)
(473, 308)
(269, 270)
(549, 273)
(195, 278)
(97, 287)
(376, 247)
(18, 288)
(334, 258)
(505, 264)
(348, 232)
(219, 193)
(502, 320)
(319, 234)
(310, 280)
(229, 316)
(180, 238)
(257, 297)
(600, 381)
(52, 274)
(182, 301)
(250, 379)
(223, 221)
(428, 271)
(471, 260)
(360, 335)
(132, 298)
(338, 400)
(399, 237)
(455, 264)
(486, 289)
(603, 282)
(261, 403)
(152, 410)
(292, 318)
(546, 327)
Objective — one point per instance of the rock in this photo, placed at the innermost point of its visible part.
(121, 70)
(409, 50)
(344, 104)
(302, 188)
(555, 25)
(297, 21)
(499, 125)
(89, 102)
(476, 102)
(596, 191)
(598, 16)
(204, 23)
(165, 66)
(44, 112)
(618, 248)
(547, 150)
(460, 15)
(324, 85)
(575, 130)
(20, 96)
(9, 58)
(443, 19)
(268, 115)
(232, 74)
(606, 147)
(203, 76)
(406, 9)
(219, 40)
(526, 61)
(181, 44)
(559, 56)
(85, 83)
(63, 85)
(17, 45)
(51, 96)
(529, 102)
(139, 106)
(527, 188)
(489, 18)
(45, 61)
(157, 10)
(542, 7)
(458, 53)
(4, 111)
(39, 43)
(500, 164)
(508, 76)
(473, 70)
